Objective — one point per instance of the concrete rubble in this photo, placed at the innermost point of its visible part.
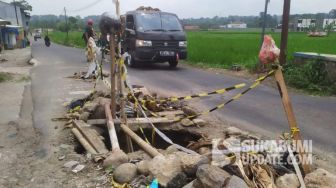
(173, 167)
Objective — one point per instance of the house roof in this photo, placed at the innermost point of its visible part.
(4, 22)
(13, 26)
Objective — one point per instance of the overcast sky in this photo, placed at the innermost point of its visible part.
(183, 8)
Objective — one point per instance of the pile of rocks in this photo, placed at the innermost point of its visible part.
(174, 168)
(178, 169)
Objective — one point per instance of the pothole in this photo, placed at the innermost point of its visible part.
(180, 137)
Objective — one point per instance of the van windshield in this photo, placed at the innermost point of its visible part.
(157, 22)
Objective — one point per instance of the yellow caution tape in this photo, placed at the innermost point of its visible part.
(236, 97)
(294, 130)
(220, 91)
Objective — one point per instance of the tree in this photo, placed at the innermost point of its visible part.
(23, 4)
(332, 13)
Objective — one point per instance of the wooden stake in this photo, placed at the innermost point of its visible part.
(123, 116)
(144, 145)
(289, 112)
(111, 128)
(113, 75)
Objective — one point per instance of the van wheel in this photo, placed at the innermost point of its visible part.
(173, 63)
(130, 61)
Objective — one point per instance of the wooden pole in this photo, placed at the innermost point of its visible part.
(123, 116)
(111, 128)
(144, 145)
(289, 112)
(284, 31)
(113, 75)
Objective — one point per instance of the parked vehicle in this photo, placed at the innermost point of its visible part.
(152, 36)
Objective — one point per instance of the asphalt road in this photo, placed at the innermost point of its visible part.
(259, 111)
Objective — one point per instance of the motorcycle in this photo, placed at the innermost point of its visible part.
(47, 41)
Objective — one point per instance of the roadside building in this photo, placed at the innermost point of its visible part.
(327, 22)
(305, 24)
(236, 25)
(2, 23)
(15, 30)
(191, 27)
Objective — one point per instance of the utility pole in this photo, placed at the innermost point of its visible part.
(17, 19)
(66, 23)
(117, 8)
(284, 32)
(264, 22)
(117, 3)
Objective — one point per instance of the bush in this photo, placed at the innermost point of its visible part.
(311, 77)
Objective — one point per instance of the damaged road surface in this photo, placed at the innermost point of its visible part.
(48, 153)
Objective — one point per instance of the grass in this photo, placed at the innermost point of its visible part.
(5, 77)
(224, 49)
(74, 39)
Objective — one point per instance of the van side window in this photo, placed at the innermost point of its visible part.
(130, 22)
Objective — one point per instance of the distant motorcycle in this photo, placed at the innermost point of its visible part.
(47, 41)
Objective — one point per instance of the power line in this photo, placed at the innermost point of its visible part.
(86, 7)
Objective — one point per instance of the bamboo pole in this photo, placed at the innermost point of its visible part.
(111, 128)
(144, 145)
(83, 141)
(113, 75)
(289, 112)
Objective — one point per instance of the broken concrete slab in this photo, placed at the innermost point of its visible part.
(211, 176)
(320, 178)
(190, 163)
(165, 168)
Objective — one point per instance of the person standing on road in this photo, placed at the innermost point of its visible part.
(89, 32)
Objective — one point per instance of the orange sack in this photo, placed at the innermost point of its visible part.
(269, 52)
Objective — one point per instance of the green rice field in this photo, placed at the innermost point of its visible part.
(224, 49)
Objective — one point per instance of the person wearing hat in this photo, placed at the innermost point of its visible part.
(89, 32)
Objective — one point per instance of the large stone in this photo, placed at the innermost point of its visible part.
(190, 163)
(115, 159)
(320, 178)
(165, 168)
(288, 181)
(235, 182)
(199, 122)
(189, 111)
(211, 176)
(143, 167)
(234, 131)
(125, 173)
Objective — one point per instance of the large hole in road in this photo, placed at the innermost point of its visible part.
(182, 137)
